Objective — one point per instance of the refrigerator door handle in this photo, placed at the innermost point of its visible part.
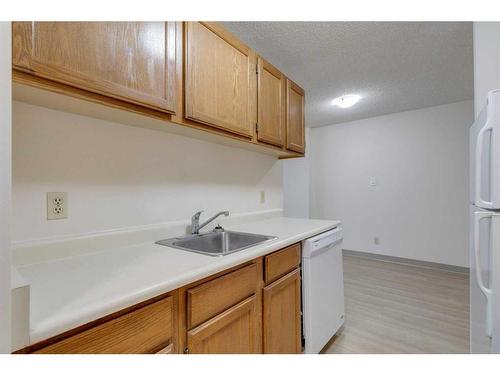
(478, 216)
(488, 127)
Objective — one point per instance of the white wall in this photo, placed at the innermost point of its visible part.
(486, 61)
(5, 183)
(120, 176)
(418, 208)
(296, 185)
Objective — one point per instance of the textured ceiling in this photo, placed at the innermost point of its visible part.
(394, 66)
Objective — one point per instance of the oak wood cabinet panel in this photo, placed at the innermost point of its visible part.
(169, 349)
(215, 296)
(219, 75)
(295, 123)
(271, 104)
(281, 323)
(236, 330)
(149, 329)
(281, 262)
(131, 61)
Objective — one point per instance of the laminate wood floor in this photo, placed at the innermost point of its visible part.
(397, 308)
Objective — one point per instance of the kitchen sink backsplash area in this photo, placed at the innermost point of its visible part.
(126, 177)
(35, 251)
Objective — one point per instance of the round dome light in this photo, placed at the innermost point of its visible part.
(346, 101)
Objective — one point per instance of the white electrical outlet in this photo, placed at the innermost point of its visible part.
(262, 196)
(57, 206)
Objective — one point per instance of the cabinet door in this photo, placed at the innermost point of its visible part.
(295, 124)
(270, 104)
(220, 79)
(282, 327)
(235, 331)
(131, 61)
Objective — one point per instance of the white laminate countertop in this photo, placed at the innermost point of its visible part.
(69, 292)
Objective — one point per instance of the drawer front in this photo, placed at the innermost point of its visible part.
(281, 262)
(148, 329)
(211, 298)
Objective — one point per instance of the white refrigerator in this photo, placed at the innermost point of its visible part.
(484, 206)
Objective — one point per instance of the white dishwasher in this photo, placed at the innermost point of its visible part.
(322, 289)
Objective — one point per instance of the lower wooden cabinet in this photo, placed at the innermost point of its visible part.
(233, 311)
(282, 325)
(215, 296)
(235, 331)
(147, 330)
(281, 262)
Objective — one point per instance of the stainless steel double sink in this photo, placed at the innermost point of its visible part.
(217, 243)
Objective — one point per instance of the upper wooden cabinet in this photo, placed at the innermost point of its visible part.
(131, 61)
(271, 104)
(194, 74)
(295, 125)
(219, 79)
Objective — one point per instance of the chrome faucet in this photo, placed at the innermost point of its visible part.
(195, 221)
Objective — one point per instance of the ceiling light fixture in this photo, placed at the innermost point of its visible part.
(346, 101)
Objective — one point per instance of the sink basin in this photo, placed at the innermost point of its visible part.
(216, 243)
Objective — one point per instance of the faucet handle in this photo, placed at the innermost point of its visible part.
(197, 215)
(195, 222)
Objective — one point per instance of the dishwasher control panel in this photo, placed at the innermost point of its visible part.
(325, 239)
